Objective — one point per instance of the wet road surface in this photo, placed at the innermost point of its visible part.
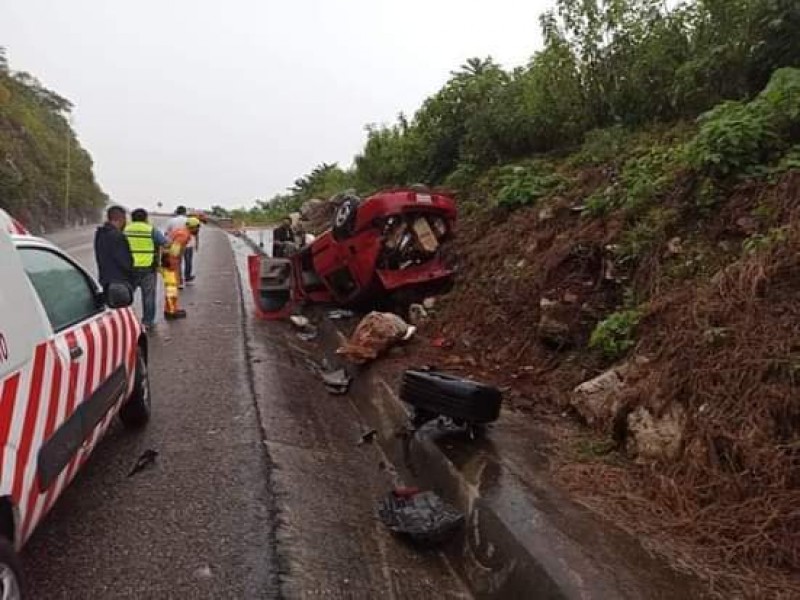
(259, 489)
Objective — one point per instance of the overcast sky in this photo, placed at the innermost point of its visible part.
(224, 102)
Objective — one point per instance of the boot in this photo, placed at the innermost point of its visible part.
(178, 314)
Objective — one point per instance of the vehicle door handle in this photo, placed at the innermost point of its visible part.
(75, 352)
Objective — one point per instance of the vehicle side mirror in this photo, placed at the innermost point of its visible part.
(119, 295)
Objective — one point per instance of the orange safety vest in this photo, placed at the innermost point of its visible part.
(178, 238)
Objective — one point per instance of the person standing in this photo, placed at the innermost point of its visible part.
(144, 241)
(282, 235)
(192, 246)
(111, 250)
(171, 271)
(177, 221)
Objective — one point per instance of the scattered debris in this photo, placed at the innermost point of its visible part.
(147, 458)
(367, 437)
(422, 516)
(340, 313)
(203, 572)
(308, 335)
(375, 334)
(442, 342)
(417, 314)
(337, 382)
(300, 321)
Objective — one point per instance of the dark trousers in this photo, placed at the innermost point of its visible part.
(188, 257)
(146, 280)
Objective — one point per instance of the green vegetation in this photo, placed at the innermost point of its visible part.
(608, 68)
(46, 176)
(615, 335)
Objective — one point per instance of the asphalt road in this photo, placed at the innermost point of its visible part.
(259, 489)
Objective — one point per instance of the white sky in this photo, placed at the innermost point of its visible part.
(203, 102)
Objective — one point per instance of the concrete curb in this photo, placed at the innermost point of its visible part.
(520, 540)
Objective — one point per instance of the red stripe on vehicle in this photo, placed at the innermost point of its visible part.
(90, 358)
(103, 348)
(55, 489)
(131, 318)
(7, 397)
(31, 411)
(114, 342)
(49, 427)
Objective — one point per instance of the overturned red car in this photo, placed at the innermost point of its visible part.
(376, 249)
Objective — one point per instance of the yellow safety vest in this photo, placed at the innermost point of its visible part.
(140, 240)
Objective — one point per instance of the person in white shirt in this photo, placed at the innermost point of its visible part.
(179, 220)
(176, 222)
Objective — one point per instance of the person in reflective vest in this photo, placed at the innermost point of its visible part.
(171, 271)
(144, 241)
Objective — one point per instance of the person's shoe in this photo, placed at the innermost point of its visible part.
(149, 326)
(180, 286)
(189, 279)
(178, 314)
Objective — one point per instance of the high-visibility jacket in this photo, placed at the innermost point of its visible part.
(178, 239)
(142, 244)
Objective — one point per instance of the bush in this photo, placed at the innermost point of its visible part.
(521, 186)
(614, 336)
(733, 136)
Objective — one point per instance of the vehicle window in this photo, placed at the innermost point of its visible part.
(64, 290)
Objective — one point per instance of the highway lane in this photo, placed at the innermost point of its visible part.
(259, 489)
(199, 524)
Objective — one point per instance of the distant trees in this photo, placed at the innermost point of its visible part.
(35, 140)
(604, 63)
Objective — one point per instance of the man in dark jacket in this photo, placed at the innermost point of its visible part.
(111, 250)
(280, 236)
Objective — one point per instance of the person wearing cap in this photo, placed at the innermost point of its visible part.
(193, 245)
(178, 237)
(144, 241)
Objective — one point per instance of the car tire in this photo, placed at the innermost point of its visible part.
(135, 413)
(454, 397)
(11, 582)
(344, 219)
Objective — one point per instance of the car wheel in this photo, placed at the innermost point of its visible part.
(344, 218)
(135, 412)
(453, 397)
(11, 584)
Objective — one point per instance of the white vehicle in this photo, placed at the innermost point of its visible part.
(70, 360)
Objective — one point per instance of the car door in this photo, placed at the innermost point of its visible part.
(85, 373)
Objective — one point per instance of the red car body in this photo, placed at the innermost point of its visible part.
(372, 251)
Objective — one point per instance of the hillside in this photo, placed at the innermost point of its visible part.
(46, 177)
(629, 257)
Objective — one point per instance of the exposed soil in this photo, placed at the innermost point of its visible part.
(721, 331)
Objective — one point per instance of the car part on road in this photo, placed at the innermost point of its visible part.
(422, 516)
(375, 334)
(337, 382)
(344, 219)
(308, 335)
(340, 313)
(11, 583)
(135, 412)
(367, 437)
(147, 458)
(464, 401)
